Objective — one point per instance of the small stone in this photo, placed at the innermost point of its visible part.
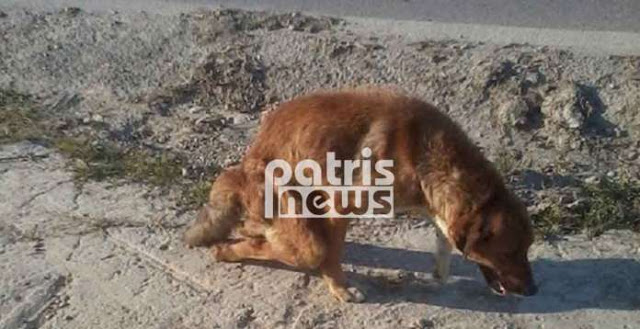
(611, 174)
(575, 204)
(161, 108)
(619, 132)
(533, 77)
(3, 14)
(514, 113)
(97, 118)
(425, 324)
(164, 246)
(632, 155)
(575, 144)
(562, 141)
(572, 118)
(592, 180)
(196, 109)
(79, 164)
(566, 199)
(71, 11)
(201, 120)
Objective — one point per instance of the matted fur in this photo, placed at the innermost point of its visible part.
(438, 171)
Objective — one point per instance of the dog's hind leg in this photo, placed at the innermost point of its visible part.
(250, 248)
(331, 269)
(253, 228)
(290, 242)
(443, 257)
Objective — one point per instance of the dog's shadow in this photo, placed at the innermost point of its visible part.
(612, 283)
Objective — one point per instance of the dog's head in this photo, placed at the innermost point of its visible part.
(497, 237)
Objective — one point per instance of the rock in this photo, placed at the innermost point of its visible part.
(592, 180)
(500, 73)
(71, 11)
(563, 108)
(3, 14)
(576, 144)
(566, 199)
(97, 118)
(513, 113)
(575, 204)
(534, 78)
(573, 119)
(562, 140)
(161, 108)
(424, 324)
(210, 121)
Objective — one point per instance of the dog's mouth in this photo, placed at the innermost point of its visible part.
(493, 280)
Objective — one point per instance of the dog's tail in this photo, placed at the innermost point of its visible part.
(217, 218)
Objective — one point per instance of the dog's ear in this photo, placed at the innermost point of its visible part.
(469, 230)
(474, 224)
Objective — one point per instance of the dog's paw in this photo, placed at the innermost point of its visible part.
(348, 295)
(222, 253)
(441, 276)
(216, 252)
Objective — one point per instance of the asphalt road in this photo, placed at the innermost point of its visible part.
(603, 15)
(607, 27)
(600, 15)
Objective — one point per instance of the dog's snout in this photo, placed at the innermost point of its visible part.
(531, 289)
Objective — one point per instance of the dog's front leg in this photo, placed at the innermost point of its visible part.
(443, 257)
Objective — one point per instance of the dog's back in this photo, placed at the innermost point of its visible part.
(422, 141)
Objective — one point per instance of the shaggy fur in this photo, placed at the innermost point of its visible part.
(438, 171)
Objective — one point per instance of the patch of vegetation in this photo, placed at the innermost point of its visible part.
(12, 97)
(553, 220)
(92, 160)
(95, 161)
(19, 119)
(99, 160)
(610, 204)
(506, 162)
(196, 194)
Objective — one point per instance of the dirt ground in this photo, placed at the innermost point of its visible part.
(89, 240)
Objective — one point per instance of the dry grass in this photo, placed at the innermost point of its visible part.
(19, 119)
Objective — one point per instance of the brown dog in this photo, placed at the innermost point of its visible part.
(436, 170)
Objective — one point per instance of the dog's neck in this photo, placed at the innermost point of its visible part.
(459, 191)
